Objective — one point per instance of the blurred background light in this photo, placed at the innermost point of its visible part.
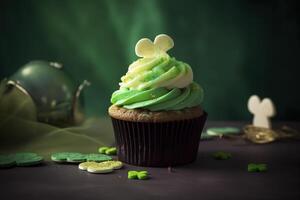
(236, 48)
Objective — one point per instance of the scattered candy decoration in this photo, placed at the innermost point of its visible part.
(262, 111)
(20, 159)
(95, 169)
(99, 163)
(260, 135)
(252, 167)
(220, 155)
(111, 151)
(222, 131)
(103, 167)
(7, 161)
(103, 149)
(67, 157)
(205, 136)
(264, 135)
(97, 157)
(113, 164)
(27, 159)
(74, 157)
(84, 166)
(108, 150)
(141, 175)
(132, 174)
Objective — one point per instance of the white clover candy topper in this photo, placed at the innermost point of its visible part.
(262, 111)
(147, 49)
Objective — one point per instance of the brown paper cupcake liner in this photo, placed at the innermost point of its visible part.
(158, 144)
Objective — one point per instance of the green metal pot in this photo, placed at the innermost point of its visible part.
(58, 100)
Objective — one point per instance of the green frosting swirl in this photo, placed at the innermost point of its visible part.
(159, 83)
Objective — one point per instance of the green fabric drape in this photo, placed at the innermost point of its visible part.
(235, 48)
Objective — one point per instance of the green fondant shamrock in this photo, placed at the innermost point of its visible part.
(20, 159)
(220, 155)
(252, 167)
(141, 175)
(108, 150)
(103, 149)
(74, 157)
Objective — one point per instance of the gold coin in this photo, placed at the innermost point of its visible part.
(260, 135)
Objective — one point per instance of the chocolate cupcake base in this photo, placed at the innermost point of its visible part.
(158, 144)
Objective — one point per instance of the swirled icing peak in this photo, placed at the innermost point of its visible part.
(156, 68)
(157, 81)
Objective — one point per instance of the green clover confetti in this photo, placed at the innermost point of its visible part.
(108, 150)
(254, 167)
(75, 157)
(220, 155)
(20, 159)
(103, 149)
(141, 175)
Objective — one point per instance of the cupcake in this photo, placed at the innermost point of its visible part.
(156, 112)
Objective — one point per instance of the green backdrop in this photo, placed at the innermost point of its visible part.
(236, 48)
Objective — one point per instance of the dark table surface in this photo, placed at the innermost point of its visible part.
(204, 179)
